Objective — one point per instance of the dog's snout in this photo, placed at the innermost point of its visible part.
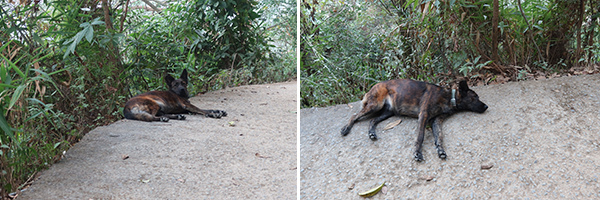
(483, 108)
(479, 107)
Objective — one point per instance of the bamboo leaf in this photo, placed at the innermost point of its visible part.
(89, 33)
(2, 85)
(4, 75)
(97, 21)
(5, 127)
(86, 24)
(12, 65)
(57, 144)
(16, 95)
(542, 8)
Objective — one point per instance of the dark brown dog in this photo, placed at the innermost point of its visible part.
(430, 103)
(165, 105)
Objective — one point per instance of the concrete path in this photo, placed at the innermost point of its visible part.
(250, 154)
(542, 139)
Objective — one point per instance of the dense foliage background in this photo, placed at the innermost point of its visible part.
(347, 46)
(69, 66)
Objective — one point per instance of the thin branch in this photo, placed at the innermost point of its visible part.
(530, 30)
(124, 16)
(159, 3)
(142, 7)
(386, 8)
(106, 8)
(151, 5)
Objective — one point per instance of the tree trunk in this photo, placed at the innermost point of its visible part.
(495, 31)
(578, 34)
(590, 32)
(112, 51)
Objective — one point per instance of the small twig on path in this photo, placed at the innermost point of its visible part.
(261, 156)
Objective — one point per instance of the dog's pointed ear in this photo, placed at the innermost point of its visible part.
(169, 79)
(184, 75)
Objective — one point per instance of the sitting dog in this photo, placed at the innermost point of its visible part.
(165, 105)
(427, 102)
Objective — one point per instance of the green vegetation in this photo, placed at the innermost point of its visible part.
(347, 46)
(67, 67)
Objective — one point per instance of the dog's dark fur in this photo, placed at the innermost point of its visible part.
(427, 102)
(165, 105)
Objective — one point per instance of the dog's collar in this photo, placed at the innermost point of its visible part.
(453, 100)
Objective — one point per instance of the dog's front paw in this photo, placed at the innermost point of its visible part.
(212, 115)
(180, 117)
(373, 136)
(216, 114)
(164, 119)
(345, 131)
(442, 154)
(418, 157)
(220, 113)
(223, 113)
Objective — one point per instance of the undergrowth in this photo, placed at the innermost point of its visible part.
(348, 46)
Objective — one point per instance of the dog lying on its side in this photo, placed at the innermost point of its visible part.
(427, 102)
(165, 105)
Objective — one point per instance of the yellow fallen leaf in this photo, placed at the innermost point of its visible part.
(372, 192)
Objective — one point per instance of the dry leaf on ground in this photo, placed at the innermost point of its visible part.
(261, 156)
(392, 124)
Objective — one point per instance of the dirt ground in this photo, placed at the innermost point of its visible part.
(250, 154)
(540, 137)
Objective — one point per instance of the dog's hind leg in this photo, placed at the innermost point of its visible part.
(372, 102)
(144, 116)
(436, 127)
(367, 110)
(385, 114)
(139, 112)
(177, 116)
